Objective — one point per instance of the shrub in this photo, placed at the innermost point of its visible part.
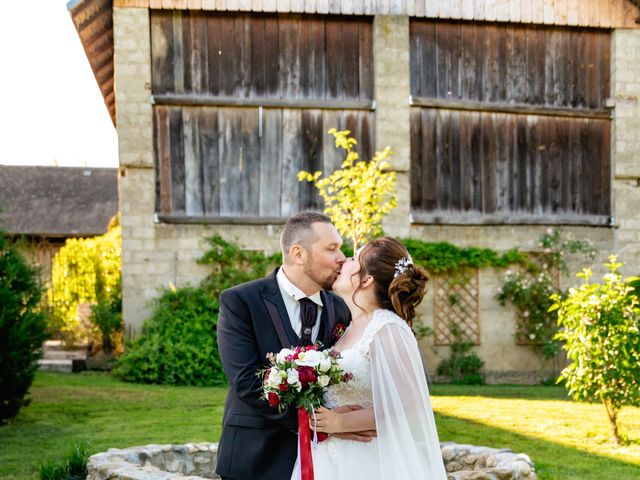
(72, 467)
(462, 367)
(530, 291)
(106, 316)
(84, 271)
(601, 327)
(22, 328)
(178, 344)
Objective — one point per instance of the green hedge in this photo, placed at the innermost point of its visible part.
(178, 345)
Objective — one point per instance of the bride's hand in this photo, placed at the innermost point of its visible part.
(328, 421)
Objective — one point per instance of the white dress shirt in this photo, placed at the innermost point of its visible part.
(291, 296)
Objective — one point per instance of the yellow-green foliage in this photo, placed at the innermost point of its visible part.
(360, 194)
(84, 271)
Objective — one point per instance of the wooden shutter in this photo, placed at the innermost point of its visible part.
(243, 102)
(509, 124)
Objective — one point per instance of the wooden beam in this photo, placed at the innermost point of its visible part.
(171, 218)
(204, 100)
(478, 218)
(495, 107)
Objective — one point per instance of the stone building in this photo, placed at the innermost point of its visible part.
(506, 117)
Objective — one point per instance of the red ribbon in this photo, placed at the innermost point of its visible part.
(304, 439)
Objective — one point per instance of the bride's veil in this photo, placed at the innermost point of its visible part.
(407, 436)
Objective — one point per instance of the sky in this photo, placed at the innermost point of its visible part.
(52, 112)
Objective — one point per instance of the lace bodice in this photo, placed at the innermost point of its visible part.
(357, 391)
(356, 360)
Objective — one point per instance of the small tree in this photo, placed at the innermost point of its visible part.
(22, 328)
(87, 270)
(360, 194)
(601, 328)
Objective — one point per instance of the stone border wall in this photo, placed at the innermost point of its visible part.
(198, 460)
(155, 462)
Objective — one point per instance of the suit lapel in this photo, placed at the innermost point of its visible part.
(278, 313)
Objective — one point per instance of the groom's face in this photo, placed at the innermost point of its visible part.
(324, 257)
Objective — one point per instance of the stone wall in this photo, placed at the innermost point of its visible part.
(156, 255)
(196, 461)
(625, 152)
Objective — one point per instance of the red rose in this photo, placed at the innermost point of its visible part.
(274, 400)
(283, 386)
(307, 375)
(322, 436)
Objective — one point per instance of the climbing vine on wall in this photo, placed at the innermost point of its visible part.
(530, 289)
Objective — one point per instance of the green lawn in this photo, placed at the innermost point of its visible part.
(567, 441)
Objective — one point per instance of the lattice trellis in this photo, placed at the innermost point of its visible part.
(457, 307)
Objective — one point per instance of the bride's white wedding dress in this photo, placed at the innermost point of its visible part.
(388, 375)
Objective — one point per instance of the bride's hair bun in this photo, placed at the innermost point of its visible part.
(399, 284)
(407, 290)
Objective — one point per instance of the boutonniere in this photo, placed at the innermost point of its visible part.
(338, 331)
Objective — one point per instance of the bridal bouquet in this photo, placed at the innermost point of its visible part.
(299, 377)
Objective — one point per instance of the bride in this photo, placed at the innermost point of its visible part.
(382, 288)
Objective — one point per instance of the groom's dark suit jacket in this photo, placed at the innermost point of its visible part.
(258, 442)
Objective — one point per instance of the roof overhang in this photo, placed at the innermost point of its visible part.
(93, 20)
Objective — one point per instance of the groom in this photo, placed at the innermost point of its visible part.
(290, 307)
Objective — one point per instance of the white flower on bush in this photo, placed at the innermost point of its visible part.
(323, 380)
(310, 358)
(293, 380)
(281, 357)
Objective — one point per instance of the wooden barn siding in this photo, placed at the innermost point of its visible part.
(219, 162)
(495, 63)
(520, 132)
(237, 116)
(587, 13)
(267, 56)
(498, 164)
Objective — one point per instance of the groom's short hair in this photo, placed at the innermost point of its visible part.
(298, 230)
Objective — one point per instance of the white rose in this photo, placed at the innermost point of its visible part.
(325, 364)
(281, 356)
(310, 358)
(323, 380)
(274, 379)
(292, 377)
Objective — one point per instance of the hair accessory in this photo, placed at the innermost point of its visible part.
(402, 264)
